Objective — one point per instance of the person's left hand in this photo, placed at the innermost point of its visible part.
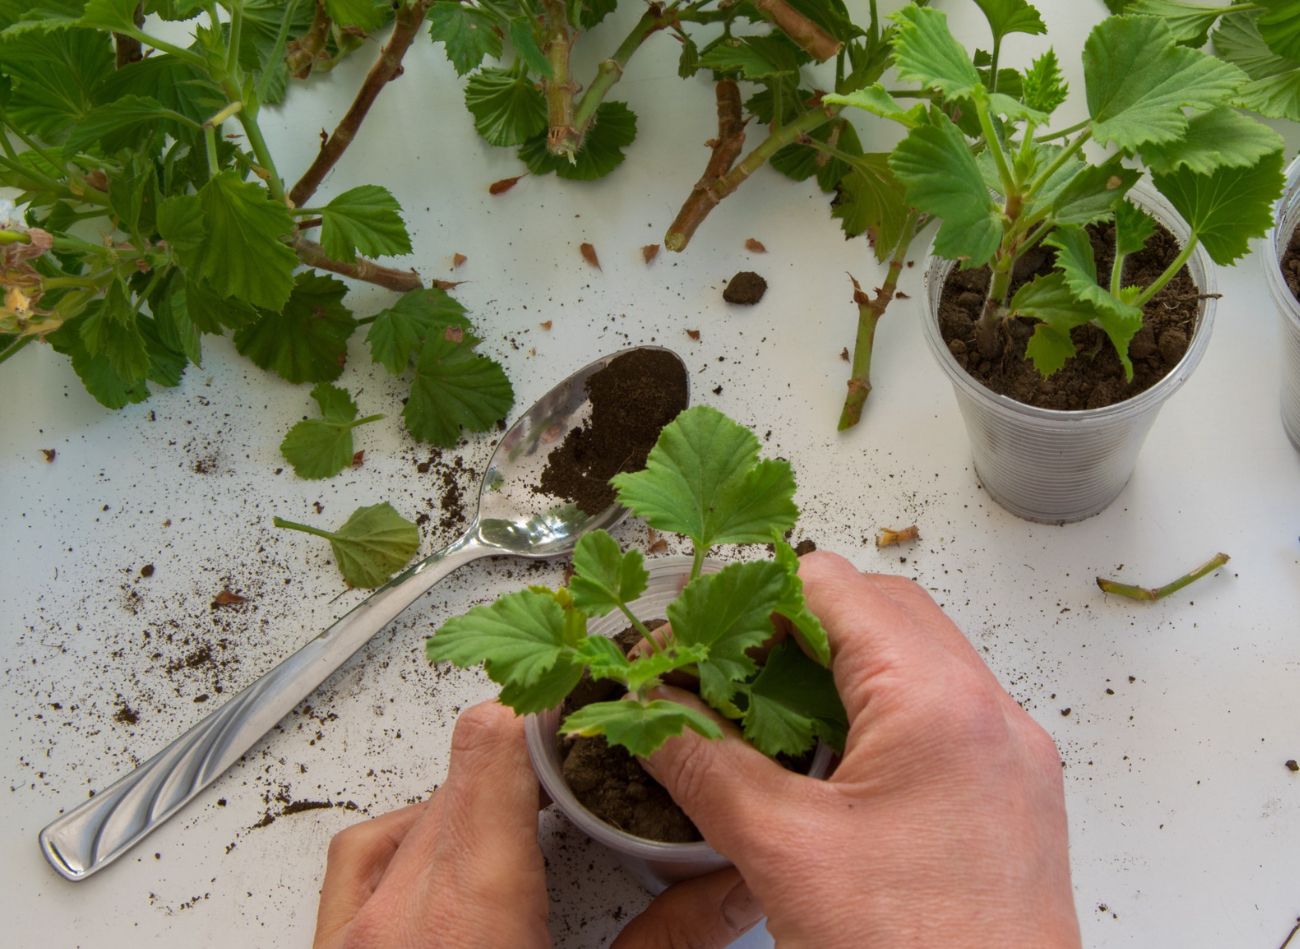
(463, 869)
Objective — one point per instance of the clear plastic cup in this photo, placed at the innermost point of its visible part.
(1057, 466)
(1286, 216)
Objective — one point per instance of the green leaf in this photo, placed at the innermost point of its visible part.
(729, 613)
(605, 578)
(792, 703)
(111, 15)
(212, 314)
(1274, 86)
(1228, 207)
(1188, 22)
(794, 607)
(646, 671)
(1279, 27)
(1222, 137)
(524, 41)
(1043, 87)
(118, 123)
(753, 57)
(95, 371)
(640, 727)
(166, 363)
(1139, 82)
(1049, 348)
(877, 101)
(520, 639)
(174, 324)
(308, 340)
(1011, 16)
(467, 34)
(1075, 261)
(926, 52)
(602, 658)
(507, 109)
(942, 178)
(110, 331)
(1050, 301)
(398, 332)
(373, 543)
(321, 448)
(454, 388)
(366, 15)
(365, 219)
(871, 200)
(590, 12)
(1133, 227)
(56, 79)
(703, 479)
(1093, 193)
(602, 148)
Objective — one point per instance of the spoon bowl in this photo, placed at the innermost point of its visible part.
(514, 518)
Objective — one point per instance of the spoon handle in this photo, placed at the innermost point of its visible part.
(96, 833)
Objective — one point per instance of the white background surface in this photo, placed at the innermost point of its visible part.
(1184, 820)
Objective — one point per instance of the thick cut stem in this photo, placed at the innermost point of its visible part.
(708, 192)
(810, 37)
(610, 71)
(313, 255)
(303, 53)
(561, 133)
(386, 68)
(1151, 594)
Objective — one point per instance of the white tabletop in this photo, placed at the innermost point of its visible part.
(1181, 715)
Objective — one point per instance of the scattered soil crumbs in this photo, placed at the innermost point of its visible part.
(632, 399)
(745, 288)
(1293, 765)
(297, 807)
(1094, 377)
(451, 475)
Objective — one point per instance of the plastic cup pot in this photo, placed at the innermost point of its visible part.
(1286, 216)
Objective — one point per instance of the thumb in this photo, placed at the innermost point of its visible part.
(727, 787)
(708, 912)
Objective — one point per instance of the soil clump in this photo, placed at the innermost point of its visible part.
(745, 288)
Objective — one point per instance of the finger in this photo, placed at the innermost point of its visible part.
(727, 787)
(709, 912)
(885, 632)
(358, 858)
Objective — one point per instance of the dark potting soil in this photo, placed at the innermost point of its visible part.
(1291, 264)
(632, 399)
(610, 782)
(1094, 377)
(745, 288)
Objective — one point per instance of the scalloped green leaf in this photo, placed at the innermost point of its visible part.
(925, 51)
(604, 577)
(1228, 207)
(1011, 16)
(468, 34)
(398, 332)
(307, 341)
(602, 149)
(507, 109)
(1274, 86)
(876, 100)
(640, 727)
(454, 388)
(366, 219)
(792, 703)
(1220, 138)
(373, 544)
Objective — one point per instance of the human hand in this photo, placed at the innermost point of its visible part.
(944, 823)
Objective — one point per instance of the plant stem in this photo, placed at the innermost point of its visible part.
(295, 526)
(210, 148)
(253, 131)
(706, 195)
(1058, 163)
(810, 37)
(640, 627)
(870, 310)
(610, 71)
(1151, 594)
(995, 149)
(1169, 273)
(15, 347)
(313, 255)
(1065, 132)
(365, 421)
(559, 87)
(236, 36)
(697, 563)
(304, 52)
(386, 68)
(194, 59)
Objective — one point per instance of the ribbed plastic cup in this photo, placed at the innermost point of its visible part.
(655, 864)
(1056, 466)
(1286, 216)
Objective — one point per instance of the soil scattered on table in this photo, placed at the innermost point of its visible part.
(745, 288)
(632, 399)
(1094, 377)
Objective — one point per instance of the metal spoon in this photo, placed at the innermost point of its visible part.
(513, 519)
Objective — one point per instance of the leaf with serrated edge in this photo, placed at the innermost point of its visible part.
(455, 388)
(601, 152)
(1220, 138)
(518, 638)
(793, 702)
(1188, 22)
(876, 100)
(646, 670)
(926, 52)
(399, 331)
(308, 340)
(242, 252)
(640, 727)
(871, 200)
(703, 479)
(602, 658)
(507, 109)
(1133, 227)
(1228, 207)
(1279, 27)
(728, 612)
(373, 543)
(1050, 301)
(96, 374)
(1139, 82)
(1049, 348)
(1274, 86)
(1075, 261)
(467, 33)
(321, 448)
(1011, 16)
(942, 178)
(1093, 192)
(1043, 87)
(750, 58)
(794, 607)
(365, 219)
(111, 331)
(605, 578)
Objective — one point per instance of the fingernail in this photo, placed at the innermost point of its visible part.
(741, 908)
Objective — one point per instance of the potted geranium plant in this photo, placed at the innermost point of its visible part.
(703, 479)
(1033, 262)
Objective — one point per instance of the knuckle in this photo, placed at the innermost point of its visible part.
(345, 844)
(692, 776)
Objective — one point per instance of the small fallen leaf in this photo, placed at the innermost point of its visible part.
(755, 246)
(694, 334)
(358, 458)
(844, 354)
(589, 255)
(446, 284)
(227, 598)
(892, 538)
(504, 185)
(900, 295)
(458, 259)
(655, 541)
(49, 454)
(649, 252)
(547, 325)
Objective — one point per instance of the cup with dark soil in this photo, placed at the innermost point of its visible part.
(1282, 263)
(605, 792)
(1061, 449)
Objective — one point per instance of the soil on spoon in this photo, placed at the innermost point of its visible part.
(1291, 264)
(1094, 377)
(632, 399)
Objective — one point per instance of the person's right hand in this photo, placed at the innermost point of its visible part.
(944, 824)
